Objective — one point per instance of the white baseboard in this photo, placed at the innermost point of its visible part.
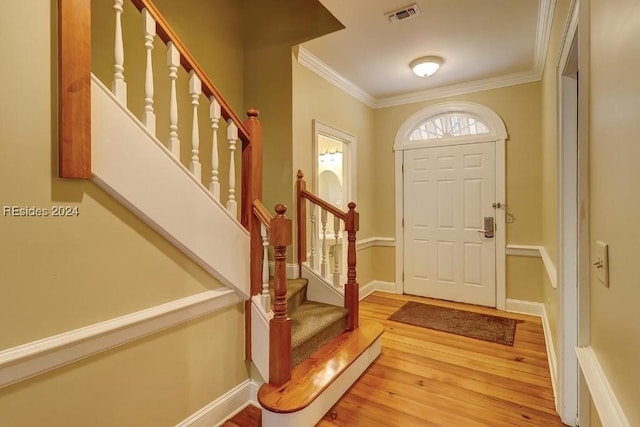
(34, 358)
(604, 400)
(377, 285)
(224, 407)
(539, 309)
(536, 252)
(525, 307)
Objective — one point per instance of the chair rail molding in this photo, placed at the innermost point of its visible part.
(602, 395)
(31, 359)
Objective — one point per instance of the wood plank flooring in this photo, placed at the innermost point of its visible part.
(429, 378)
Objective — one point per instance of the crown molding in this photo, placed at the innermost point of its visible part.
(543, 33)
(314, 64)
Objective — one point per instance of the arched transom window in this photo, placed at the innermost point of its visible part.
(448, 125)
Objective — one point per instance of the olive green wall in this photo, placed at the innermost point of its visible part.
(614, 177)
(315, 98)
(156, 381)
(270, 32)
(60, 274)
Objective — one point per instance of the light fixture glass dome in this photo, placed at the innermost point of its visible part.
(426, 66)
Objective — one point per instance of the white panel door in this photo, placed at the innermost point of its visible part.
(448, 192)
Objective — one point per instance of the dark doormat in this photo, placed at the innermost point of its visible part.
(474, 325)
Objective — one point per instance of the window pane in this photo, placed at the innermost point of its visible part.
(448, 125)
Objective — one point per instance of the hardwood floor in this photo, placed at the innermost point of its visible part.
(429, 378)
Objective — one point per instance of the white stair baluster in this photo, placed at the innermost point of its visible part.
(232, 136)
(195, 89)
(119, 87)
(214, 114)
(265, 298)
(314, 237)
(149, 27)
(336, 262)
(173, 62)
(324, 266)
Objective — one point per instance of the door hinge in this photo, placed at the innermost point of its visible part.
(402, 222)
(498, 205)
(403, 276)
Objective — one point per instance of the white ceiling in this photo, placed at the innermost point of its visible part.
(484, 44)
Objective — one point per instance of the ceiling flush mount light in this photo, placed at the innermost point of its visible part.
(426, 66)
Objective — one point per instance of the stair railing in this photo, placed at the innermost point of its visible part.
(331, 273)
(75, 115)
(75, 101)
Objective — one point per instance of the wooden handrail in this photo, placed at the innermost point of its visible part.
(334, 210)
(189, 63)
(262, 213)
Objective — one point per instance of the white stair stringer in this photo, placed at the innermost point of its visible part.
(320, 289)
(135, 168)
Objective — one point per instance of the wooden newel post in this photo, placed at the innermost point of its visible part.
(352, 289)
(280, 324)
(301, 185)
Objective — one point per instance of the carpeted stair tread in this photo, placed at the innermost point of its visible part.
(296, 293)
(314, 324)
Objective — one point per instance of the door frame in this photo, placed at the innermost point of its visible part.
(497, 134)
(573, 217)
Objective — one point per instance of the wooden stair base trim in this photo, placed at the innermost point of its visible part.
(330, 369)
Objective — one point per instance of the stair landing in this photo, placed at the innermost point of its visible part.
(318, 382)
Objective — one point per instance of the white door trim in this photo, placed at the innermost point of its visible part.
(573, 272)
(498, 135)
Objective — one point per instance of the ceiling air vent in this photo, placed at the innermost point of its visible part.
(403, 13)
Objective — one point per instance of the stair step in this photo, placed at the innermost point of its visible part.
(313, 325)
(332, 369)
(296, 293)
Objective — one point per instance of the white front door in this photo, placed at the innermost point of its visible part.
(449, 192)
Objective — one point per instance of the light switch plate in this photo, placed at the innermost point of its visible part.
(602, 260)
